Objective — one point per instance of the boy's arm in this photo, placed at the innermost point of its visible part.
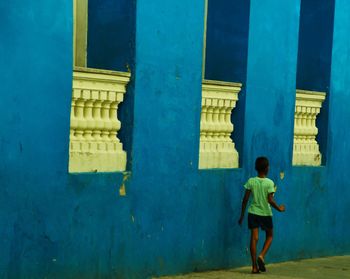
(244, 205)
(272, 202)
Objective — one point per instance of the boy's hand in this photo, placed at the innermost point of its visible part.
(282, 208)
(240, 221)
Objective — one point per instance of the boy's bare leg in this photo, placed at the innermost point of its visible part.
(253, 243)
(267, 244)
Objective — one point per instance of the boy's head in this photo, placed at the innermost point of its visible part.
(262, 165)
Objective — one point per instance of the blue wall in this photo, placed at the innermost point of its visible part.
(271, 82)
(339, 116)
(36, 200)
(174, 218)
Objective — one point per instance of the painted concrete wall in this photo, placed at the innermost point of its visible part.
(174, 218)
(36, 202)
(338, 150)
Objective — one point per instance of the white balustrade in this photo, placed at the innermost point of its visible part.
(94, 145)
(217, 150)
(306, 150)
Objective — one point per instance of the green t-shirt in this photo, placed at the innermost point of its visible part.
(260, 188)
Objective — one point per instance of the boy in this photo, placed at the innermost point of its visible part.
(259, 212)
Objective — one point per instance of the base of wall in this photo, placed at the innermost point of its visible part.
(97, 162)
(307, 158)
(218, 156)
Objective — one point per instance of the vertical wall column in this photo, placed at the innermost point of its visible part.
(339, 116)
(271, 78)
(168, 79)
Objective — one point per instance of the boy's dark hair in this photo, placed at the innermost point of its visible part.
(261, 164)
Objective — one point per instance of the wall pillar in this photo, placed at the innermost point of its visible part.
(168, 80)
(166, 127)
(339, 119)
(271, 78)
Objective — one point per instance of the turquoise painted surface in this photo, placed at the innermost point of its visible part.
(174, 218)
(338, 151)
(271, 78)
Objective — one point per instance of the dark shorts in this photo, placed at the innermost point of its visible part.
(263, 222)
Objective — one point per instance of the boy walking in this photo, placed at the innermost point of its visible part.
(259, 212)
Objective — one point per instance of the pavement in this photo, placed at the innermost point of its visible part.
(321, 268)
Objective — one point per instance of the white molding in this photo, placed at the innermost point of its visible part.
(80, 32)
(94, 145)
(205, 37)
(306, 151)
(217, 150)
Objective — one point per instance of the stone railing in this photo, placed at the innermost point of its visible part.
(217, 150)
(306, 150)
(94, 145)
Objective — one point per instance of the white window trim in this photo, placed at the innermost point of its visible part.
(80, 32)
(205, 37)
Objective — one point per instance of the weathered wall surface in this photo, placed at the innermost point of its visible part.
(338, 145)
(174, 218)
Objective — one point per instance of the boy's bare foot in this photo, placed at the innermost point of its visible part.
(255, 270)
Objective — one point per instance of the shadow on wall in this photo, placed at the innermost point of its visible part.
(315, 57)
(227, 54)
(111, 46)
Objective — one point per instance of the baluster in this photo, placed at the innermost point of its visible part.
(222, 121)
(203, 124)
(94, 145)
(306, 149)
(229, 125)
(89, 121)
(106, 125)
(203, 160)
(116, 125)
(210, 133)
(73, 117)
(216, 145)
(216, 131)
(79, 112)
(97, 116)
